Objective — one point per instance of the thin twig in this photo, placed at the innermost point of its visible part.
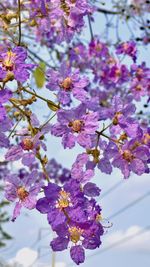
(90, 27)
(19, 25)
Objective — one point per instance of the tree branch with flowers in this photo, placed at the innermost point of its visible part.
(89, 93)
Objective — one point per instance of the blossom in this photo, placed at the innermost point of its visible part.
(67, 83)
(80, 169)
(28, 146)
(13, 65)
(97, 48)
(132, 156)
(121, 114)
(75, 125)
(23, 191)
(127, 48)
(57, 172)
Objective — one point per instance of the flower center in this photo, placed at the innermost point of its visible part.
(127, 155)
(22, 193)
(77, 50)
(64, 200)
(146, 138)
(27, 144)
(75, 234)
(125, 46)
(138, 87)
(98, 47)
(8, 61)
(64, 6)
(139, 72)
(66, 84)
(117, 72)
(76, 125)
(116, 118)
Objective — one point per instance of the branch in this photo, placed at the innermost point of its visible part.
(109, 12)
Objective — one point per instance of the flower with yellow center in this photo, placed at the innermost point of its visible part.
(75, 234)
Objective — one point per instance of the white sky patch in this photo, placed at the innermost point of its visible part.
(141, 242)
(25, 257)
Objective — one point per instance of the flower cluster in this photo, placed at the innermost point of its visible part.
(74, 215)
(58, 19)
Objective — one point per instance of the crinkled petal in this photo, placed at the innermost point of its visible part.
(77, 254)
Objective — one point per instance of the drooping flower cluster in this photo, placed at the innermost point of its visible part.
(74, 215)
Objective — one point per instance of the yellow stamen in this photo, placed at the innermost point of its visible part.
(75, 234)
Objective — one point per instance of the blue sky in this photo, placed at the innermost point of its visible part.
(135, 252)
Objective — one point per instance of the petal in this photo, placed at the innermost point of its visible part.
(91, 190)
(77, 254)
(16, 211)
(137, 166)
(14, 153)
(68, 140)
(105, 166)
(59, 244)
(42, 205)
(84, 140)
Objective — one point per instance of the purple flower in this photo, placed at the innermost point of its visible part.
(13, 65)
(27, 148)
(80, 169)
(67, 83)
(75, 125)
(128, 48)
(121, 114)
(57, 172)
(23, 191)
(98, 49)
(132, 156)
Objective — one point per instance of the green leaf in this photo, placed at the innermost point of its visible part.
(39, 75)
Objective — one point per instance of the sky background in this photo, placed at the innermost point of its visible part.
(32, 234)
